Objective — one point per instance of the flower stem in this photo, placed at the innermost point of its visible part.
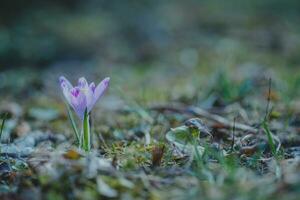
(86, 143)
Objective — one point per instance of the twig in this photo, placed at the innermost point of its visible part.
(101, 138)
(268, 99)
(198, 112)
(233, 134)
(203, 113)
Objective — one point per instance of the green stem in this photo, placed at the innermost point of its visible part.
(86, 143)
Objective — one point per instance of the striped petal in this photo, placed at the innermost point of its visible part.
(87, 91)
(100, 89)
(78, 102)
(84, 96)
(66, 88)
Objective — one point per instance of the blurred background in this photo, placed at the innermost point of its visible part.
(145, 43)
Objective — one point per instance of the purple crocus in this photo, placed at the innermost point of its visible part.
(83, 96)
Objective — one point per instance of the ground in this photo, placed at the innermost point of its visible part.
(202, 104)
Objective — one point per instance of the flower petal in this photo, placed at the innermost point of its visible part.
(92, 86)
(82, 83)
(87, 91)
(66, 87)
(63, 79)
(78, 101)
(100, 89)
(89, 99)
(83, 96)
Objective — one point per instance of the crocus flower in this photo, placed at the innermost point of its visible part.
(83, 96)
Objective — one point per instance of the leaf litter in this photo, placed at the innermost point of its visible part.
(193, 136)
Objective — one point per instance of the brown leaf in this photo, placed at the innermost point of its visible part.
(72, 155)
(249, 150)
(157, 154)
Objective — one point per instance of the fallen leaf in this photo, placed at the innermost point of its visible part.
(157, 154)
(72, 155)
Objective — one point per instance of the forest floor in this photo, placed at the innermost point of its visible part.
(220, 137)
(188, 116)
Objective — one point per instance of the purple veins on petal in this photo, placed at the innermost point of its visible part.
(75, 91)
(92, 86)
(78, 102)
(65, 84)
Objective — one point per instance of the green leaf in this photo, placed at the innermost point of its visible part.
(184, 140)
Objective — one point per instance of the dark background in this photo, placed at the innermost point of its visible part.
(38, 34)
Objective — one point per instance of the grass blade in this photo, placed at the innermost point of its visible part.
(70, 115)
(2, 125)
(270, 138)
